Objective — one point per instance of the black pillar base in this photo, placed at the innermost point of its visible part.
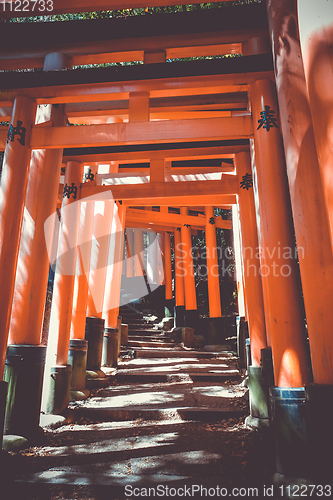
(123, 334)
(169, 308)
(319, 404)
(266, 362)
(3, 396)
(77, 359)
(289, 427)
(242, 334)
(216, 331)
(248, 352)
(24, 370)
(179, 316)
(110, 347)
(258, 395)
(191, 318)
(59, 389)
(94, 334)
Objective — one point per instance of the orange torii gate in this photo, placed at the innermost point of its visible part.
(271, 198)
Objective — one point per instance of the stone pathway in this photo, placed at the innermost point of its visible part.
(180, 430)
(171, 418)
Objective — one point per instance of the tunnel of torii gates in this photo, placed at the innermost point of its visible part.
(266, 121)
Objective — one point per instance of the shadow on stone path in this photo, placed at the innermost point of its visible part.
(183, 433)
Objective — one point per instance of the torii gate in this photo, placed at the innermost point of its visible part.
(33, 158)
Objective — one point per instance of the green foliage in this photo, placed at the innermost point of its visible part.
(226, 265)
(201, 58)
(107, 65)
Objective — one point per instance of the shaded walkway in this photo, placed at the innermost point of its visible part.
(141, 432)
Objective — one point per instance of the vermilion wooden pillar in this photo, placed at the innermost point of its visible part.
(241, 292)
(113, 281)
(153, 258)
(130, 252)
(214, 297)
(33, 262)
(179, 280)
(138, 252)
(62, 300)
(315, 23)
(83, 257)
(52, 236)
(12, 195)
(99, 256)
(160, 258)
(179, 271)
(167, 267)
(25, 381)
(189, 282)
(285, 315)
(306, 188)
(251, 263)
(56, 384)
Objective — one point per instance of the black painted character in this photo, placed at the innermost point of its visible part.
(88, 176)
(18, 130)
(68, 190)
(268, 119)
(246, 182)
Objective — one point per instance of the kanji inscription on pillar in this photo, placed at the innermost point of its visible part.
(89, 176)
(70, 190)
(246, 182)
(211, 220)
(268, 119)
(18, 130)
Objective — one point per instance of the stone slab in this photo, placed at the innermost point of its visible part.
(47, 421)
(14, 443)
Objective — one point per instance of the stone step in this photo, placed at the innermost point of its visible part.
(172, 453)
(145, 332)
(133, 376)
(148, 338)
(132, 316)
(97, 383)
(155, 343)
(129, 320)
(179, 352)
(110, 414)
(134, 322)
(139, 326)
(181, 363)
